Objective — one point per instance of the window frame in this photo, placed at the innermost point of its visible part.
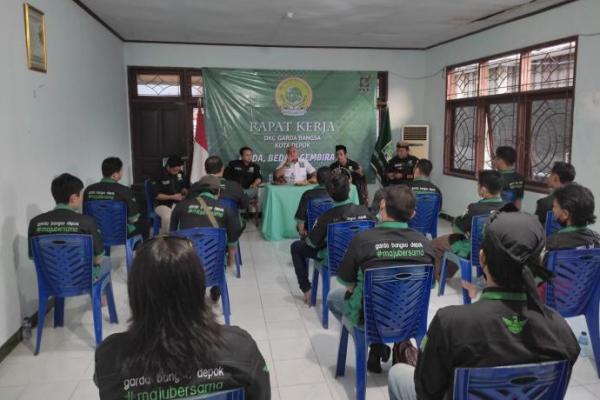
(522, 99)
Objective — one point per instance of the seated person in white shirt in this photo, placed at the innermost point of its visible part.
(294, 170)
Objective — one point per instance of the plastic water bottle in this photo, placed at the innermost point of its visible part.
(292, 178)
(584, 343)
(26, 328)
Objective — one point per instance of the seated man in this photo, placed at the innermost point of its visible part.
(562, 173)
(109, 188)
(64, 219)
(354, 169)
(343, 209)
(504, 162)
(295, 171)
(301, 216)
(245, 172)
(400, 169)
(508, 326)
(203, 210)
(396, 209)
(489, 188)
(574, 209)
(169, 190)
(229, 189)
(422, 183)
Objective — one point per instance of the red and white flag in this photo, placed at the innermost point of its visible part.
(200, 147)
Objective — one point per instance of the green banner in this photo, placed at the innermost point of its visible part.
(270, 110)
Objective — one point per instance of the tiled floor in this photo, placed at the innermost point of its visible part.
(266, 302)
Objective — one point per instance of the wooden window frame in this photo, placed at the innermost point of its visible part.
(522, 98)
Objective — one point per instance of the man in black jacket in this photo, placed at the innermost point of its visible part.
(168, 190)
(562, 174)
(504, 162)
(509, 325)
(400, 169)
(320, 190)
(245, 172)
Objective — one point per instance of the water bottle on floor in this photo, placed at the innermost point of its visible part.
(584, 343)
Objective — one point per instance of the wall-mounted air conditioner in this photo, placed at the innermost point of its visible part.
(418, 137)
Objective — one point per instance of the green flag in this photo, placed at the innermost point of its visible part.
(384, 150)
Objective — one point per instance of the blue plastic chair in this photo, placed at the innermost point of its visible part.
(339, 236)
(111, 218)
(552, 225)
(465, 265)
(575, 289)
(231, 204)
(509, 196)
(152, 217)
(211, 246)
(317, 206)
(63, 264)
(236, 394)
(427, 214)
(395, 305)
(543, 381)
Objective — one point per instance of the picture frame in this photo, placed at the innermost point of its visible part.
(35, 38)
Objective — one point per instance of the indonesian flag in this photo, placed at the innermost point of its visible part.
(200, 146)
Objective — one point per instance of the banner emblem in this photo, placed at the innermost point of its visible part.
(293, 96)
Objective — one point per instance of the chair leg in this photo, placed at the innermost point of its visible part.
(325, 310)
(340, 369)
(593, 323)
(59, 311)
(107, 251)
(443, 274)
(315, 285)
(97, 311)
(110, 299)
(239, 254)
(238, 261)
(361, 364)
(42, 307)
(225, 302)
(466, 274)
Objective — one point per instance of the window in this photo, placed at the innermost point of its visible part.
(197, 86)
(522, 99)
(158, 85)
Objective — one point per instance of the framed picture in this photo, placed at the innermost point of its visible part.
(35, 36)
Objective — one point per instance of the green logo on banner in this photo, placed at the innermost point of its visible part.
(293, 96)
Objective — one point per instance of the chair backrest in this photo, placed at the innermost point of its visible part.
(63, 263)
(339, 236)
(543, 381)
(396, 301)
(111, 218)
(149, 198)
(576, 282)
(236, 394)
(552, 225)
(211, 246)
(477, 225)
(316, 207)
(509, 196)
(229, 203)
(427, 213)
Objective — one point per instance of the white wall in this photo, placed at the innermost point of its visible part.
(575, 18)
(67, 120)
(405, 95)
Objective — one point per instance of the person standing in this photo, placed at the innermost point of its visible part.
(168, 190)
(400, 169)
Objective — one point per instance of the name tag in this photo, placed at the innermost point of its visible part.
(251, 169)
(165, 182)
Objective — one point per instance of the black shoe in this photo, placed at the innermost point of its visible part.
(215, 293)
(378, 353)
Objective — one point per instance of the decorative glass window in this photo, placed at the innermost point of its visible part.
(463, 138)
(550, 67)
(500, 75)
(197, 86)
(158, 85)
(463, 81)
(500, 129)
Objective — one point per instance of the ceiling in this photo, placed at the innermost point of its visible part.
(313, 23)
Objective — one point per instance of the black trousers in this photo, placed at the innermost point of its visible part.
(300, 252)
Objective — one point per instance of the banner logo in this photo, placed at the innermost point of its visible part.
(293, 96)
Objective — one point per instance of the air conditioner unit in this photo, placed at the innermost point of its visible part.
(418, 137)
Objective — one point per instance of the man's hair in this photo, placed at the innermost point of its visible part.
(213, 165)
(341, 147)
(400, 202)
(243, 149)
(174, 161)
(507, 153)
(111, 165)
(425, 166)
(578, 201)
(338, 186)
(287, 151)
(172, 325)
(491, 180)
(323, 175)
(564, 171)
(65, 185)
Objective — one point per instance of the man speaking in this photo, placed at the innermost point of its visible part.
(295, 171)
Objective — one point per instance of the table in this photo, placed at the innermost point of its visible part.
(279, 204)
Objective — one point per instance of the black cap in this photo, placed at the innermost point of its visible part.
(174, 161)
